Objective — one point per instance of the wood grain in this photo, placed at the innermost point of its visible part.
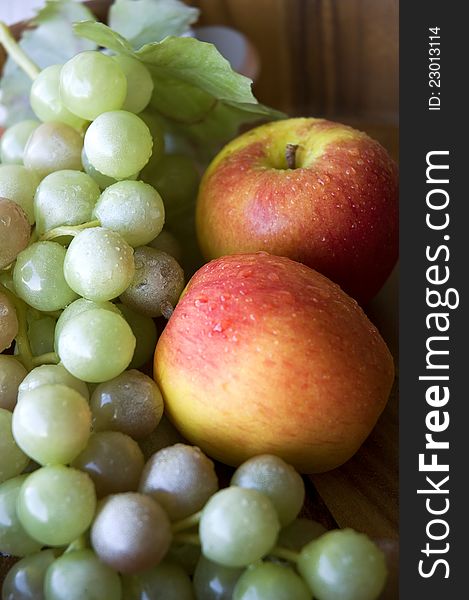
(363, 493)
(320, 57)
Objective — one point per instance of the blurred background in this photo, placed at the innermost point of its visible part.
(321, 57)
(327, 57)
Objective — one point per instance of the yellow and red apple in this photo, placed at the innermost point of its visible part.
(319, 192)
(265, 355)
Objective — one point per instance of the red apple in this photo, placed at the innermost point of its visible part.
(335, 210)
(265, 355)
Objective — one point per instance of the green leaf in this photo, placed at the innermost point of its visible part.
(51, 42)
(179, 101)
(222, 123)
(102, 35)
(66, 11)
(145, 21)
(199, 64)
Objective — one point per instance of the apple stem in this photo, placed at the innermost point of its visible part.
(167, 309)
(290, 155)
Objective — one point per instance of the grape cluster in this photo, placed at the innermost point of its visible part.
(80, 226)
(95, 498)
(111, 526)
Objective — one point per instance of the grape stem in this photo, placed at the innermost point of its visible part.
(14, 50)
(71, 230)
(186, 523)
(187, 538)
(194, 540)
(50, 358)
(78, 544)
(24, 355)
(284, 553)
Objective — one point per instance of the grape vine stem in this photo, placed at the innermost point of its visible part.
(187, 538)
(14, 50)
(71, 230)
(50, 358)
(194, 540)
(186, 523)
(284, 553)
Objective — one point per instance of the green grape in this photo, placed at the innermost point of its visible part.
(25, 579)
(144, 330)
(56, 504)
(155, 124)
(213, 581)
(131, 532)
(13, 538)
(276, 479)
(114, 462)
(6, 279)
(185, 555)
(46, 102)
(53, 147)
(103, 181)
(180, 478)
(12, 459)
(166, 242)
(176, 178)
(77, 307)
(269, 581)
(238, 526)
(39, 277)
(8, 322)
(80, 575)
(130, 403)
(163, 436)
(118, 144)
(64, 198)
(52, 424)
(92, 83)
(96, 345)
(133, 209)
(51, 375)
(12, 374)
(15, 231)
(157, 284)
(41, 335)
(99, 264)
(19, 185)
(139, 83)
(299, 533)
(167, 581)
(343, 564)
(13, 142)
(179, 101)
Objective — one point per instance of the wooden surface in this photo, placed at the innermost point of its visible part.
(320, 57)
